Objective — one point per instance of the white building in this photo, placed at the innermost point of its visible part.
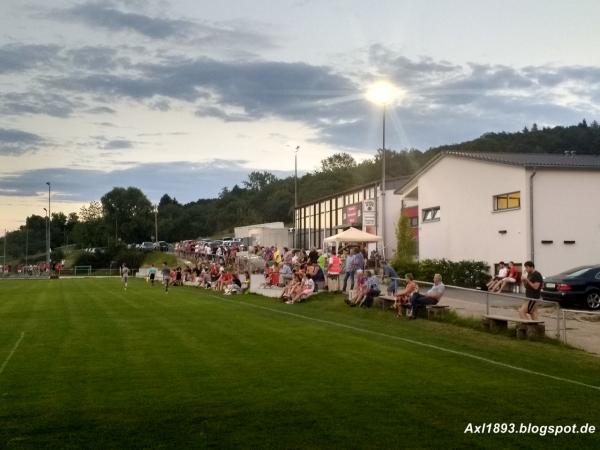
(506, 206)
(265, 234)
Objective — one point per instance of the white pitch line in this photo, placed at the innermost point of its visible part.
(419, 343)
(12, 352)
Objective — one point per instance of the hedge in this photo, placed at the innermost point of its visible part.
(469, 274)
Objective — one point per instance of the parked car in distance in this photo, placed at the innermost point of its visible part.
(163, 246)
(147, 246)
(580, 285)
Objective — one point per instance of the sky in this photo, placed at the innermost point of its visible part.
(185, 97)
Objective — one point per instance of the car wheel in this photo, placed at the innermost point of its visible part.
(592, 300)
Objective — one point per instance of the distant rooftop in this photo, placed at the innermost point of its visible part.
(550, 160)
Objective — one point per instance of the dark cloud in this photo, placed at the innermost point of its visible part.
(98, 59)
(20, 57)
(101, 110)
(102, 15)
(216, 112)
(106, 16)
(187, 181)
(48, 103)
(17, 142)
(117, 144)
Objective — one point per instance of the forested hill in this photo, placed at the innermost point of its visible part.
(265, 198)
(581, 138)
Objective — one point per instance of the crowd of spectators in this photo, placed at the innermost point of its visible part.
(31, 270)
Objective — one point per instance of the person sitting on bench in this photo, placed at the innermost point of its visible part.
(372, 288)
(360, 291)
(513, 273)
(502, 274)
(432, 297)
(403, 296)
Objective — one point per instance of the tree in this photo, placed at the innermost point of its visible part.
(91, 212)
(257, 181)
(406, 247)
(337, 162)
(129, 212)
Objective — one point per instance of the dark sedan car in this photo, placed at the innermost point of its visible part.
(578, 285)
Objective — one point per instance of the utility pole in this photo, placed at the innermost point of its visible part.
(156, 223)
(4, 258)
(47, 247)
(26, 244)
(48, 230)
(296, 194)
(383, 188)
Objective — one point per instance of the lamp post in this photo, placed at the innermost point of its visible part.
(296, 193)
(4, 257)
(383, 93)
(47, 259)
(156, 223)
(48, 229)
(26, 245)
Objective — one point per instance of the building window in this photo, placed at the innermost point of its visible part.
(414, 221)
(431, 214)
(503, 202)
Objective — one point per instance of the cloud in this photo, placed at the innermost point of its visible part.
(105, 15)
(117, 144)
(17, 142)
(187, 181)
(101, 110)
(21, 57)
(48, 103)
(97, 59)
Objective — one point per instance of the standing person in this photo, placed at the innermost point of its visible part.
(152, 274)
(125, 275)
(533, 286)
(388, 271)
(166, 274)
(322, 260)
(349, 270)
(313, 256)
(359, 260)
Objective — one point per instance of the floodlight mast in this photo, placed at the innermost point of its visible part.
(383, 93)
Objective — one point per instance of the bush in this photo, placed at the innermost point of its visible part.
(469, 274)
(117, 255)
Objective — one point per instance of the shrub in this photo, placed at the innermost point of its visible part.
(469, 274)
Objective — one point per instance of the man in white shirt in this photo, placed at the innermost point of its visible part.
(432, 297)
(502, 274)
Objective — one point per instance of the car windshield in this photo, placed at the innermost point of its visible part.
(577, 272)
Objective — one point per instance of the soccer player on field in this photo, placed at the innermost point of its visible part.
(152, 274)
(125, 275)
(166, 274)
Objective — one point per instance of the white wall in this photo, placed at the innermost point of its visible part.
(244, 232)
(270, 236)
(468, 229)
(393, 207)
(566, 207)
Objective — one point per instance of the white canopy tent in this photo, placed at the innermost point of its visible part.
(352, 235)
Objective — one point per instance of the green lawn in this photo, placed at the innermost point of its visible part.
(102, 368)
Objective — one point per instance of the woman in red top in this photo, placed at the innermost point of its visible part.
(334, 264)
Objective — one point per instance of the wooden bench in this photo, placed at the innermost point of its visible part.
(526, 329)
(437, 311)
(386, 300)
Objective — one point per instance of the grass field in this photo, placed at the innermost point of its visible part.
(85, 364)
